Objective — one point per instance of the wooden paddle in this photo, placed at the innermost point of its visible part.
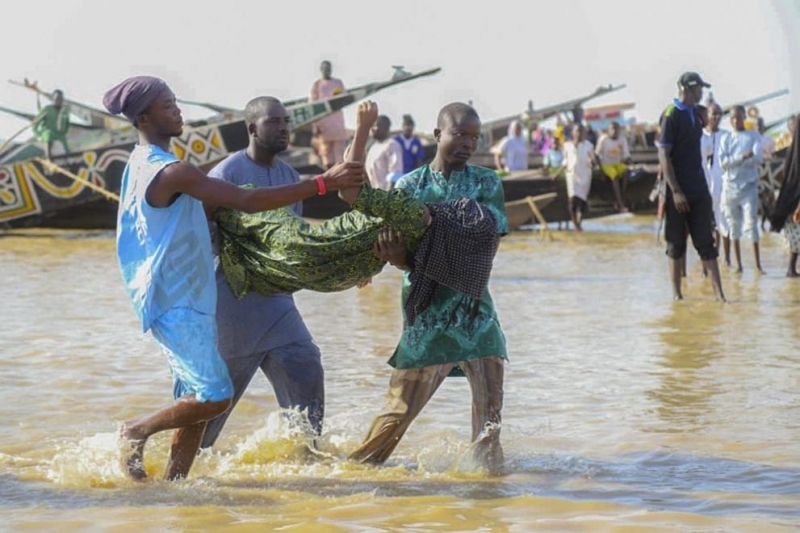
(49, 165)
(20, 132)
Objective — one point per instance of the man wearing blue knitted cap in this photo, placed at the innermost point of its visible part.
(164, 252)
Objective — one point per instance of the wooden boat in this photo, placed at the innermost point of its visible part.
(494, 130)
(528, 210)
(301, 130)
(80, 137)
(88, 116)
(29, 196)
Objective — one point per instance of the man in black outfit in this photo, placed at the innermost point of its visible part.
(688, 200)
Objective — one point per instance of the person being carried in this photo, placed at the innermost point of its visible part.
(413, 151)
(164, 252)
(614, 154)
(277, 252)
(52, 123)
(446, 329)
(329, 132)
(740, 156)
(578, 159)
(688, 202)
(384, 162)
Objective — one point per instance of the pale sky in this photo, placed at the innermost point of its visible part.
(499, 54)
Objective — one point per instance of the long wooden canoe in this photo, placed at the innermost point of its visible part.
(31, 197)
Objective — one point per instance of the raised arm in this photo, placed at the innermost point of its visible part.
(185, 178)
(366, 116)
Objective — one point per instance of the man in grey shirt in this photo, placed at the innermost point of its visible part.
(266, 332)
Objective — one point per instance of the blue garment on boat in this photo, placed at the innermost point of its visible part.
(164, 252)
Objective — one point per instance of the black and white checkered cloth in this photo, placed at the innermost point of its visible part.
(457, 251)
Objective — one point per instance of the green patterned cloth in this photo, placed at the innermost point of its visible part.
(448, 331)
(278, 251)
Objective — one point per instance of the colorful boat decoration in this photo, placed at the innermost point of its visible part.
(30, 196)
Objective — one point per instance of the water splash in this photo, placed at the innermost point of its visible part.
(93, 461)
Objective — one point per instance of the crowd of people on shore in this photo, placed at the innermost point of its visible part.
(210, 261)
(725, 205)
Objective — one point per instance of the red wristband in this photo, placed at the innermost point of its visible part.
(322, 189)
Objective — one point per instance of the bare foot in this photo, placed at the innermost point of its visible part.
(738, 270)
(131, 450)
(677, 297)
(792, 274)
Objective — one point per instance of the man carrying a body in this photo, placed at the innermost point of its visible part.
(258, 331)
(164, 252)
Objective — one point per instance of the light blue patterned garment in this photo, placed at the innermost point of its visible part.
(164, 252)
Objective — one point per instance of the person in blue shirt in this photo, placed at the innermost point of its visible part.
(413, 151)
(259, 332)
(688, 203)
(164, 253)
(553, 160)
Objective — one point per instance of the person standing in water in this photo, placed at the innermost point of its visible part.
(164, 252)
(709, 145)
(740, 156)
(688, 202)
(453, 332)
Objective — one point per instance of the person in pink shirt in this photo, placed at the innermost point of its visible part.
(330, 133)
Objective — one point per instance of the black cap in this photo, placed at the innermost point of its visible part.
(691, 79)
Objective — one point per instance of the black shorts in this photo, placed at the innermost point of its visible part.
(698, 222)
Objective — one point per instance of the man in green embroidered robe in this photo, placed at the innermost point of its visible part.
(276, 251)
(449, 334)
